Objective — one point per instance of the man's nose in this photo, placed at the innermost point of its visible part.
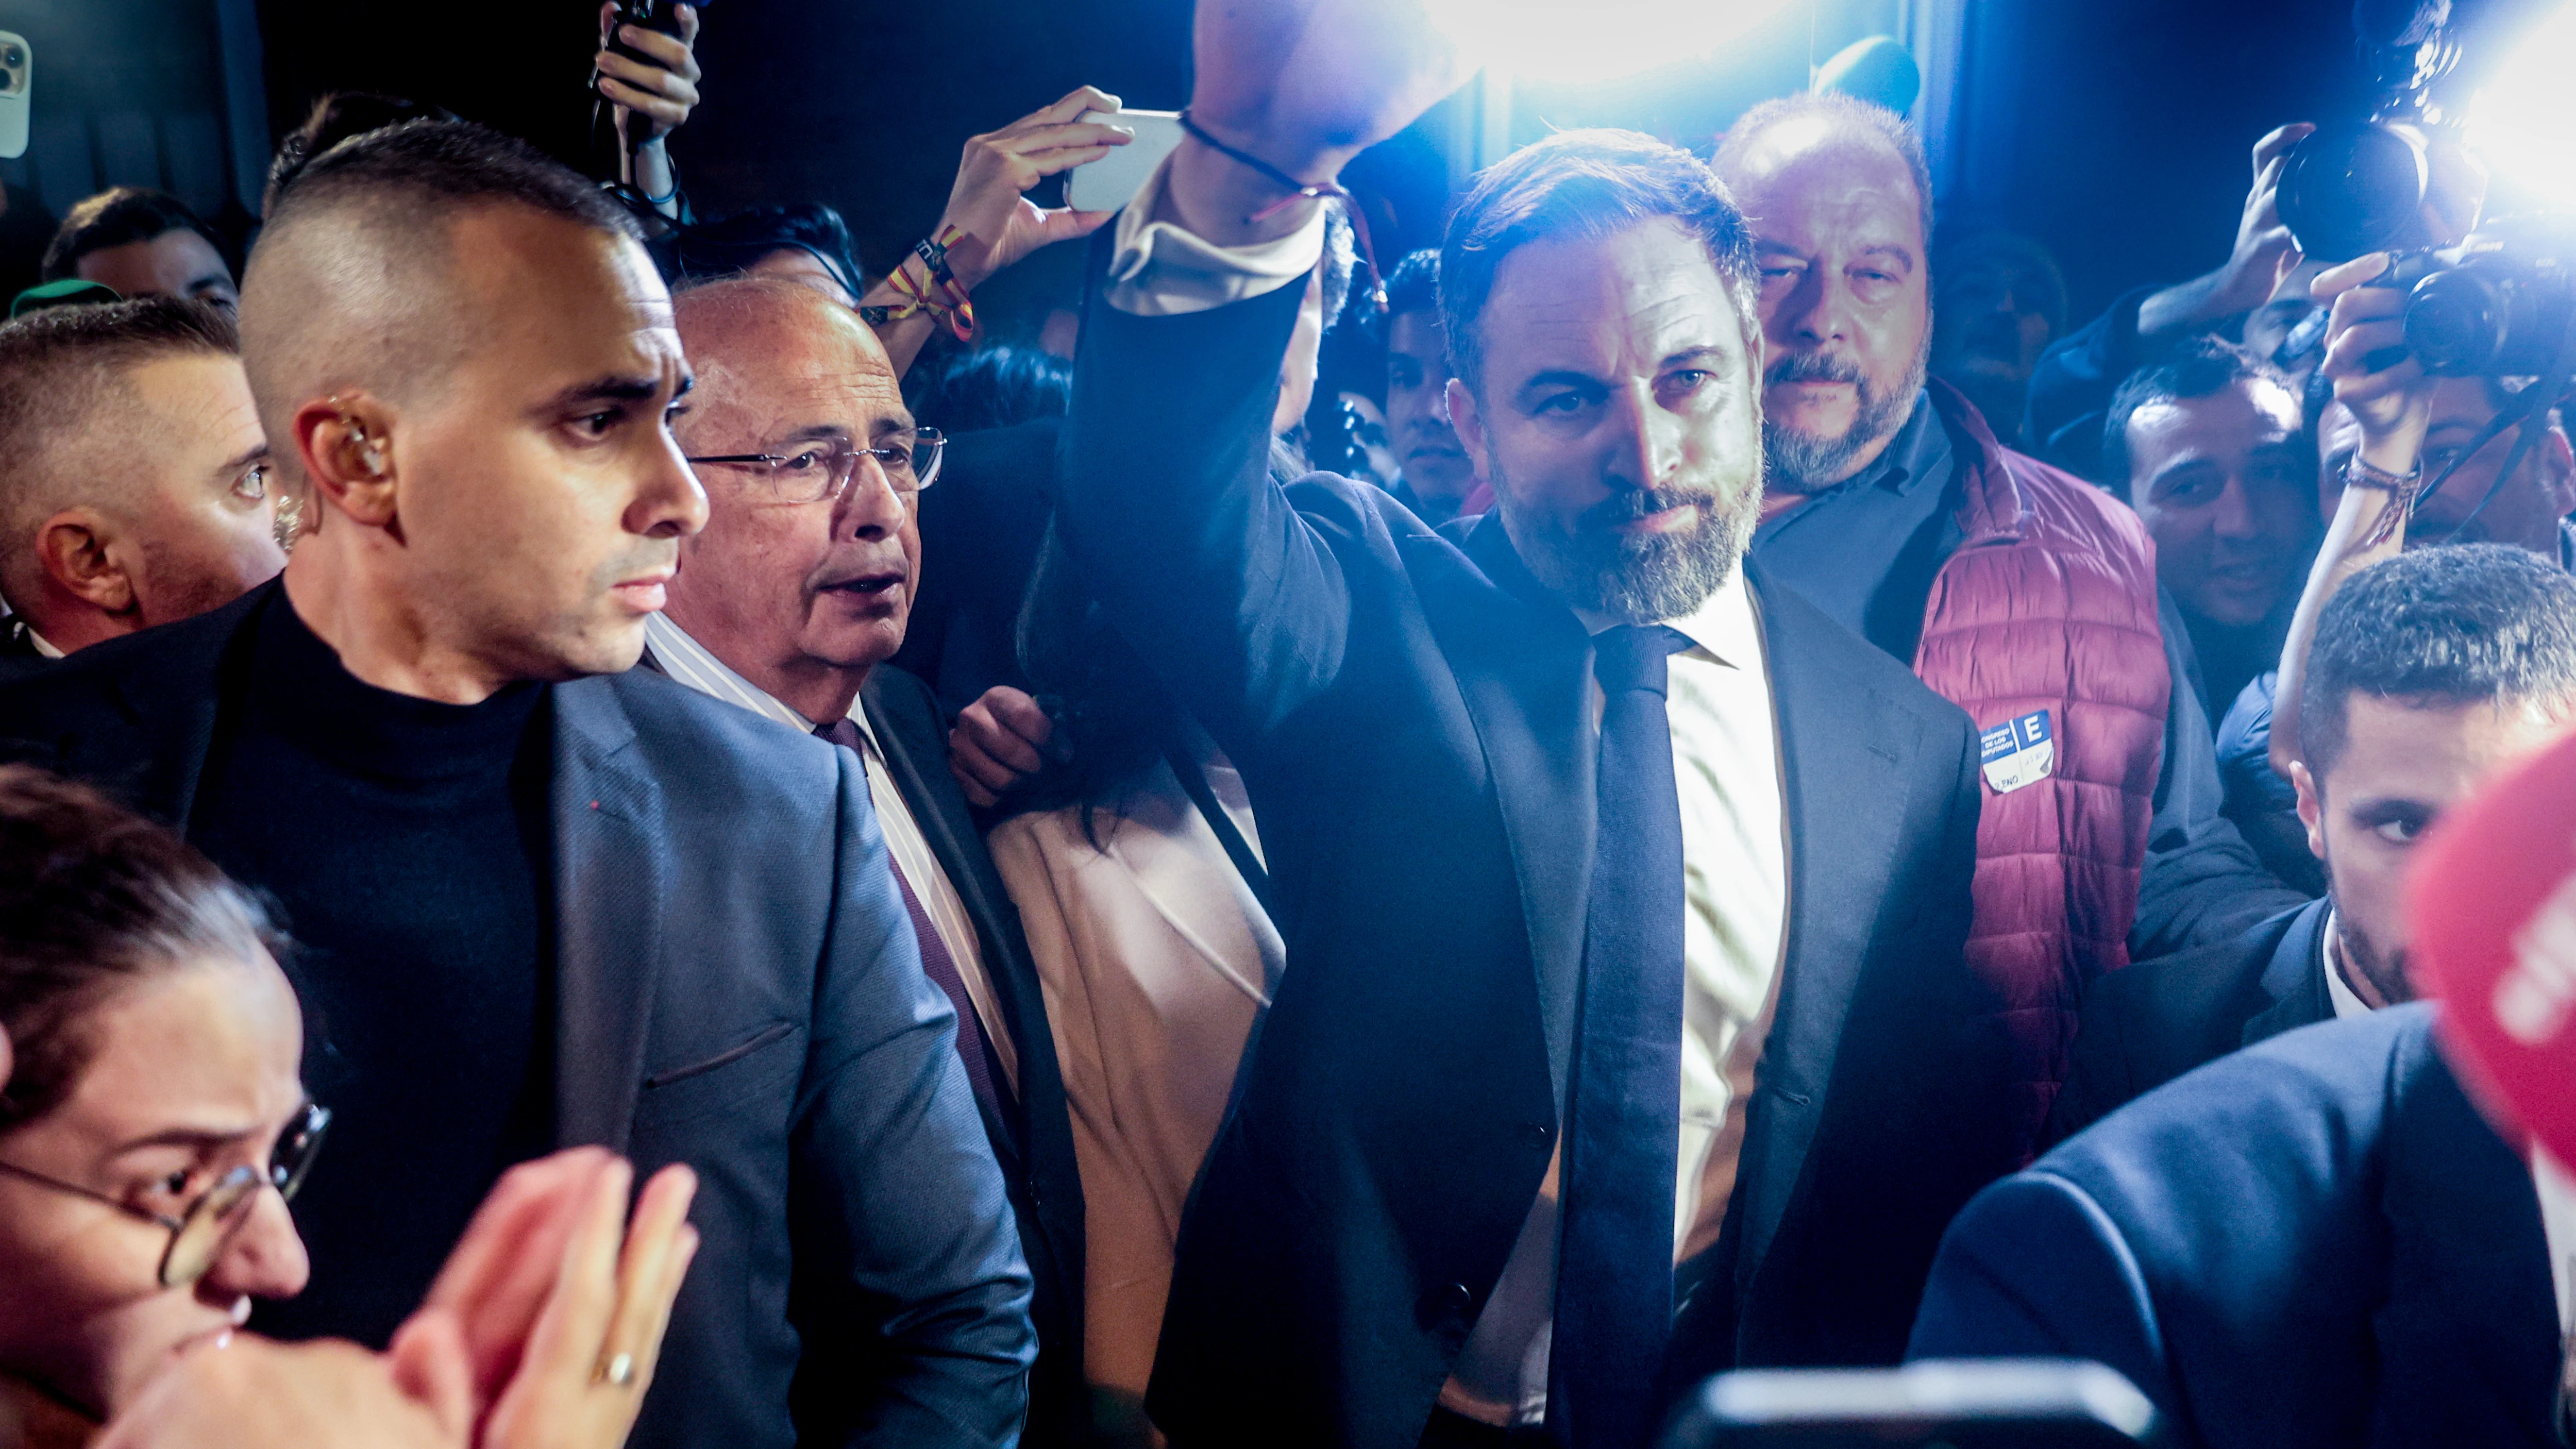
(871, 507)
(264, 1258)
(2232, 516)
(1816, 311)
(668, 502)
(1649, 447)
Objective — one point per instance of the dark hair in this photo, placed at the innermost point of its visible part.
(2452, 624)
(57, 362)
(334, 119)
(93, 897)
(990, 387)
(443, 164)
(736, 242)
(2197, 366)
(1882, 125)
(119, 217)
(1414, 286)
(1586, 185)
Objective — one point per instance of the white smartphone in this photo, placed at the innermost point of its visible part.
(17, 82)
(1110, 182)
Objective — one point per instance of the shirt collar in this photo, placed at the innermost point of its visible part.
(43, 645)
(695, 665)
(1914, 456)
(1722, 627)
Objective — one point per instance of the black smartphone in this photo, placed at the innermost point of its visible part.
(1963, 1403)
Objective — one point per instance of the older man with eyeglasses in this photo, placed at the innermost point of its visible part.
(788, 604)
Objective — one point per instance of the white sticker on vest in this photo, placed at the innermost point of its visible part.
(2017, 752)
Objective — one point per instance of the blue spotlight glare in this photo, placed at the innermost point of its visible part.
(2522, 123)
(1593, 40)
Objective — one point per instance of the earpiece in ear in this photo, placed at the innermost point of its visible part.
(373, 457)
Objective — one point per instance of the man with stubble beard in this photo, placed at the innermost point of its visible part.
(1571, 818)
(2020, 593)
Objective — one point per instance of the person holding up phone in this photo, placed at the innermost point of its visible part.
(657, 91)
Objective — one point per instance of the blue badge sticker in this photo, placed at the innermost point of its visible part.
(2017, 752)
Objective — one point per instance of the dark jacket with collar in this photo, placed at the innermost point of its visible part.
(19, 656)
(2315, 1243)
(2150, 1023)
(737, 988)
(1410, 717)
(1036, 1149)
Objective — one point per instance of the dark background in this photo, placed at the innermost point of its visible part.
(2115, 131)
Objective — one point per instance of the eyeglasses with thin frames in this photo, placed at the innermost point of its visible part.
(198, 1234)
(819, 472)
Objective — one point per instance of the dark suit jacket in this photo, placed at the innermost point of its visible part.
(2146, 1024)
(2314, 1242)
(1035, 1149)
(19, 657)
(1411, 719)
(737, 988)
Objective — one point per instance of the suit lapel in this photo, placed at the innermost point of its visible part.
(1841, 757)
(1523, 662)
(905, 735)
(611, 868)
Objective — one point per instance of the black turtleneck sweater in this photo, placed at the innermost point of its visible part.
(407, 843)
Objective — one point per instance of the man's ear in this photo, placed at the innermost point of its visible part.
(2312, 807)
(345, 445)
(79, 550)
(2557, 472)
(1469, 424)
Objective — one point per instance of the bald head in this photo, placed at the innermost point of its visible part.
(355, 285)
(1798, 132)
(799, 584)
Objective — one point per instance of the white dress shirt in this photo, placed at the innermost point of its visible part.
(1726, 765)
(692, 664)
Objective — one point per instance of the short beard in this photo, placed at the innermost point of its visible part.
(1636, 580)
(1805, 463)
(2385, 970)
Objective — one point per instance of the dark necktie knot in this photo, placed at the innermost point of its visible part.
(1635, 656)
(843, 732)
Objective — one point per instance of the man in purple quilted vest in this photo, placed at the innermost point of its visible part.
(2018, 592)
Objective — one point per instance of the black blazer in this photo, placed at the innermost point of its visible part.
(981, 527)
(737, 988)
(19, 657)
(1036, 1148)
(1410, 716)
(2315, 1243)
(2146, 1024)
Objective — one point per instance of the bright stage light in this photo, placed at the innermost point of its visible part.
(2523, 121)
(1594, 40)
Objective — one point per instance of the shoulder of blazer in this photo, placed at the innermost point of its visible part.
(1808, 647)
(177, 660)
(699, 750)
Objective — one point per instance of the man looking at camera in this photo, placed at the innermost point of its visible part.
(543, 900)
(1499, 1158)
(2015, 591)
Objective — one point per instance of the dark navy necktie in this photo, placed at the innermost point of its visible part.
(1614, 1276)
(974, 1048)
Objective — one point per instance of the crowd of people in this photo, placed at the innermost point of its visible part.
(1291, 856)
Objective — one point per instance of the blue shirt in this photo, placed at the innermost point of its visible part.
(1867, 549)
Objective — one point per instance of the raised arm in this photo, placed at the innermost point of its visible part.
(1166, 497)
(2393, 406)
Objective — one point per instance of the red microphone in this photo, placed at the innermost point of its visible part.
(2492, 912)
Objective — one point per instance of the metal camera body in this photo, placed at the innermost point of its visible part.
(2497, 305)
(2354, 187)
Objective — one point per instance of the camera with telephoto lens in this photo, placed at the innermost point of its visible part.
(2497, 305)
(2354, 187)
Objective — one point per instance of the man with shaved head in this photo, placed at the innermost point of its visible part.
(136, 488)
(542, 901)
(789, 603)
(2020, 593)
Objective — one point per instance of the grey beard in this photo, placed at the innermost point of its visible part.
(1637, 581)
(1805, 463)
